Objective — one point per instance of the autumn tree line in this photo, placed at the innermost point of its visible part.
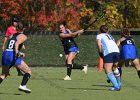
(47, 14)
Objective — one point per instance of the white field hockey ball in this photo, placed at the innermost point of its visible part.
(60, 55)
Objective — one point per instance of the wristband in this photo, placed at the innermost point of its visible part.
(101, 54)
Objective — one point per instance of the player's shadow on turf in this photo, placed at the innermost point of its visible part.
(56, 79)
(10, 93)
(85, 89)
(102, 85)
(47, 79)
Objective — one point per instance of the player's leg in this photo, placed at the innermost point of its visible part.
(137, 66)
(68, 70)
(70, 57)
(108, 65)
(117, 75)
(80, 66)
(7, 59)
(25, 68)
(67, 77)
(4, 74)
(116, 72)
(76, 66)
(120, 64)
(116, 59)
(110, 75)
(19, 72)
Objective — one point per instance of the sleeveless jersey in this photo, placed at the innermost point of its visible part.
(108, 43)
(8, 58)
(68, 42)
(128, 50)
(11, 43)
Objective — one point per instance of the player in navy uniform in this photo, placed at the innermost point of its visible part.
(70, 49)
(13, 57)
(128, 50)
(11, 30)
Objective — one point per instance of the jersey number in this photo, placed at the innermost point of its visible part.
(129, 42)
(11, 44)
(110, 37)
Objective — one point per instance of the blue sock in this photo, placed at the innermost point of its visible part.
(118, 76)
(112, 78)
(118, 81)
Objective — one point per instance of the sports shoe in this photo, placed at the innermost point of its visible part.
(85, 69)
(108, 81)
(67, 78)
(115, 89)
(24, 88)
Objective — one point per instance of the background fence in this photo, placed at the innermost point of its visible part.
(44, 50)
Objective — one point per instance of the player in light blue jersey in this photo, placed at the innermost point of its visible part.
(109, 51)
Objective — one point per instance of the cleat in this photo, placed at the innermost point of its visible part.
(115, 89)
(24, 88)
(85, 69)
(67, 78)
(108, 81)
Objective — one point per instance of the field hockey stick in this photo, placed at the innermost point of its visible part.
(96, 19)
(90, 24)
(99, 16)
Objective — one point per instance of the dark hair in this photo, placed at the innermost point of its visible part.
(103, 29)
(20, 26)
(63, 23)
(15, 19)
(125, 33)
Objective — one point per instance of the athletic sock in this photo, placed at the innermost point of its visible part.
(69, 68)
(77, 66)
(117, 75)
(113, 80)
(25, 79)
(1, 80)
(118, 81)
(138, 73)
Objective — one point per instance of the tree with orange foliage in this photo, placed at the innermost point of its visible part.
(77, 13)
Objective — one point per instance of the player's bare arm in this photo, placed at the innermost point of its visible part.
(99, 44)
(4, 42)
(62, 35)
(20, 39)
(118, 42)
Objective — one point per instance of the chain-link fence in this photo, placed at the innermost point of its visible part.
(45, 50)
